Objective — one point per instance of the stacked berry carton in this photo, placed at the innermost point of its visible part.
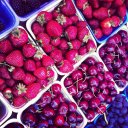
(107, 10)
(8, 94)
(77, 58)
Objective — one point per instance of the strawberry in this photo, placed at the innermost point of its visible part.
(30, 48)
(122, 11)
(66, 66)
(71, 32)
(118, 2)
(68, 8)
(43, 39)
(15, 58)
(38, 64)
(87, 11)
(111, 12)
(55, 42)
(98, 33)
(10, 82)
(47, 61)
(72, 56)
(43, 83)
(2, 58)
(43, 17)
(64, 44)
(81, 3)
(63, 20)
(74, 44)
(91, 47)
(94, 23)
(81, 24)
(115, 21)
(56, 55)
(19, 101)
(74, 19)
(19, 90)
(83, 50)
(41, 73)
(4, 73)
(54, 29)
(101, 13)
(48, 48)
(50, 73)
(18, 37)
(33, 90)
(107, 31)
(37, 28)
(83, 34)
(1, 81)
(55, 13)
(5, 46)
(94, 3)
(2, 87)
(30, 65)
(106, 23)
(29, 79)
(18, 74)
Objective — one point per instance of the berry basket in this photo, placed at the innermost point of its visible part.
(8, 19)
(67, 98)
(50, 8)
(33, 12)
(114, 31)
(11, 121)
(5, 110)
(51, 76)
(102, 45)
(97, 58)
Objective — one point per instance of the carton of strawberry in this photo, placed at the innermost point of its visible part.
(104, 18)
(24, 68)
(63, 35)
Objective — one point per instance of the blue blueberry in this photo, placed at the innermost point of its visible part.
(121, 120)
(124, 110)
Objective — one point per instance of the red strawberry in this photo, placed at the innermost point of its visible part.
(83, 34)
(91, 47)
(87, 11)
(15, 58)
(19, 37)
(101, 13)
(33, 90)
(111, 12)
(55, 42)
(48, 48)
(4, 73)
(64, 44)
(2, 87)
(18, 74)
(5, 46)
(30, 65)
(83, 50)
(43, 39)
(81, 24)
(19, 90)
(30, 48)
(106, 23)
(29, 79)
(37, 28)
(43, 83)
(74, 44)
(41, 73)
(63, 20)
(71, 32)
(81, 3)
(2, 58)
(122, 11)
(1, 81)
(107, 31)
(94, 3)
(118, 2)
(68, 8)
(19, 101)
(54, 29)
(55, 13)
(10, 82)
(74, 19)
(50, 73)
(43, 17)
(72, 56)
(47, 61)
(115, 21)
(94, 23)
(38, 64)
(98, 33)
(56, 55)
(66, 66)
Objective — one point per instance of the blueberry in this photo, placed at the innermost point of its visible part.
(121, 120)
(112, 121)
(125, 103)
(117, 111)
(124, 110)
(119, 105)
(110, 126)
(126, 118)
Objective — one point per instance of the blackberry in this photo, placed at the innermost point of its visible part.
(1, 26)
(34, 3)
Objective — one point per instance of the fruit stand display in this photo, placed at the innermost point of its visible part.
(63, 63)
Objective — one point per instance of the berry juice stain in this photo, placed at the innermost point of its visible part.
(3, 111)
